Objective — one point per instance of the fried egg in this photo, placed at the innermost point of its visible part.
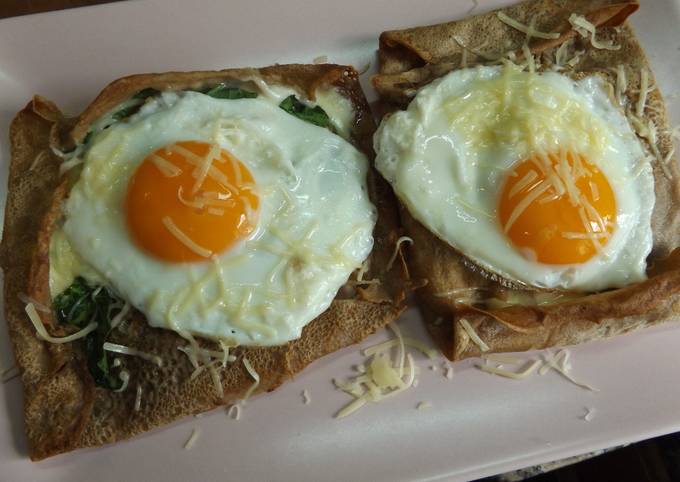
(226, 219)
(535, 177)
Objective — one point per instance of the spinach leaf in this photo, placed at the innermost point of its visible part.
(80, 304)
(128, 111)
(143, 94)
(313, 115)
(221, 91)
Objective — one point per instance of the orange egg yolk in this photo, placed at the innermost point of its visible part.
(190, 200)
(557, 209)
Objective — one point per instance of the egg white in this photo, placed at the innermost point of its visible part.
(314, 226)
(448, 154)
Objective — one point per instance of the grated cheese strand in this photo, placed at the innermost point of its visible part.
(529, 57)
(306, 399)
(523, 183)
(401, 357)
(66, 166)
(588, 416)
(196, 204)
(509, 374)
(42, 331)
(552, 362)
(568, 376)
(352, 406)
(192, 439)
(423, 405)
(253, 374)
(184, 239)
(561, 55)
(167, 168)
(473, 335)
(644, 90)
(621, 83)
(124, 376)
(594, 191)
(120, 316)
(217, 381)
(393, 258)
(204, 168)
(525, 203)
(529, 30)
(583, 27)
(126, 350)
(559, 363)
(234, 411)
(138, 398)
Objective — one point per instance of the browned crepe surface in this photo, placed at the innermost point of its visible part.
(64, 410)
(455, 287)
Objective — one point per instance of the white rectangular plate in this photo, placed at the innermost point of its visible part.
(478, 424)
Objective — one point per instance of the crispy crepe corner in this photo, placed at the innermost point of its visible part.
(455, 288)
(63, 408)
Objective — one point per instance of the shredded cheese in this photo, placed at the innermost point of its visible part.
(528, 370)
(559, 363)
(621, 83)
(204, 167)
(647, 131)
(120, 316)
(66, 166)
(234, 411)
(306, 399)
(424, 405)
(124, 376)
(138, 398)
(588, 416)
(393, 258)
(525, 203)
(352, 407)
(479, 54)
(583, 27)
(644, 86)
(184, 239)
(561, 55)
(382, 377)
(402, 349)
(523, 183)
(473, 335)
(192, 439)
(529, 30)
(167, 168)
(251, 371)
(196, 204)
(125, 350)
(42, 331)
